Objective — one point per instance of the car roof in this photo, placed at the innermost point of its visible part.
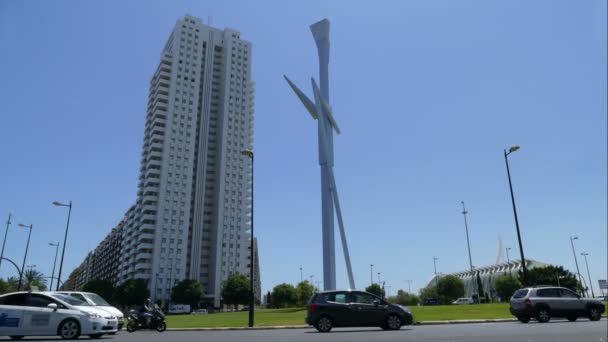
(336, 291)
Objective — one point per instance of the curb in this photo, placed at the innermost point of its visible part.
(274, 327)
(282, 327)
(467, 321)
(277, 327)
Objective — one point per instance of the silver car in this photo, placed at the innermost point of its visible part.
(545, 302)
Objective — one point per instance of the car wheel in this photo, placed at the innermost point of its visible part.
(324, 324)
(95, 335)
(69, 329)
(393, 322)
(16, 338)
(131, 326)
(162, 326)
(594, 313)
(572, 318)
(543, 315)
(523, 319)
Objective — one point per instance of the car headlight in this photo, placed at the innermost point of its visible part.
(91, 314)
(405, 308)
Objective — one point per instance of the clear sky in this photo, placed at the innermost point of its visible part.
(427, 94)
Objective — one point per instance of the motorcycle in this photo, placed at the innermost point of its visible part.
(137, 322)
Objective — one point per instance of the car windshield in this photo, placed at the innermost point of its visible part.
(69, 299)
(96, 299)
(520, 293)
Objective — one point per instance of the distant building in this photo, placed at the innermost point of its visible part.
(488, 276)
(107, 256)
(101, 263)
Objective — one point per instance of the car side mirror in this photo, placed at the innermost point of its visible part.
(376, 302)
(52, 306)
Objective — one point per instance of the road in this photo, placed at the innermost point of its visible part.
(581, 331)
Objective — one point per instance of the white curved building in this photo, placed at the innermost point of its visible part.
(488, 275)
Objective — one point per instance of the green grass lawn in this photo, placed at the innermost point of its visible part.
(295, 316)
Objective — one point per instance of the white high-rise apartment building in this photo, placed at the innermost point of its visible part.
(191, 218)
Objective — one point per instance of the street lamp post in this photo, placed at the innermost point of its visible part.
(409, 286)
(576, 261)
(379, 282)
(371, 273)
(301, 275)
(249, 153)
(65, 238)
(466, 228)
(435, 268)
(56, 245)
(27, 246)
(508, 261)
(521, 247)
(589, 274)
(8, 224)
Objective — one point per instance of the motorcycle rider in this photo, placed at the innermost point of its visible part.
(145, 311)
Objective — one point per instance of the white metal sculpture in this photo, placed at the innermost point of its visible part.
(321, 111)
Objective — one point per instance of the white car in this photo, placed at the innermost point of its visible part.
(50, 314)
(98, 302)
(463, 301)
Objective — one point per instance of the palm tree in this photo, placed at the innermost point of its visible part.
(34, 278)
(10, 285)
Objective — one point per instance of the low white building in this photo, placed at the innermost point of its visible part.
(488, 275)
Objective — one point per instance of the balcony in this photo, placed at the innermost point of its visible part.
(145, 245)
(149, 198)
(143, 256)
(145, 236)
(143, 266)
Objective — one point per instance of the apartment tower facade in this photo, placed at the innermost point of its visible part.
(192, 214)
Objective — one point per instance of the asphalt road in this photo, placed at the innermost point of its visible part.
(581, 331)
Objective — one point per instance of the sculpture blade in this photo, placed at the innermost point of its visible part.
(303, 98)
(325, 106)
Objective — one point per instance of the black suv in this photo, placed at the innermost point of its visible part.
(544, 302)
(354, 309)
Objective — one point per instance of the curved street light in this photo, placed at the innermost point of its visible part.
(65, 238)
(589, 274)
(8, 224)
(572, 238)
(14, 264)
(56, 245)
(27, 246)
(521, 247)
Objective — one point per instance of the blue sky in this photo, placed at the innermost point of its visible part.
(427, 94)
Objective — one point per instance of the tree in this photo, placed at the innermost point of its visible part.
(551, 275)
(3, 286)
(12, 284)
(304, 291)
(33, 278)
(187, 291)
(375, 289)
(132, 292)
(449, 288)
(404, 298)
(429, 293)
(236, 290)
(506, 284)
(284, 295)
(480, 291)
(104, 288)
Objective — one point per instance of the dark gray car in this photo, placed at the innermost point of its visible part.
(545, 302)
(354, 309)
